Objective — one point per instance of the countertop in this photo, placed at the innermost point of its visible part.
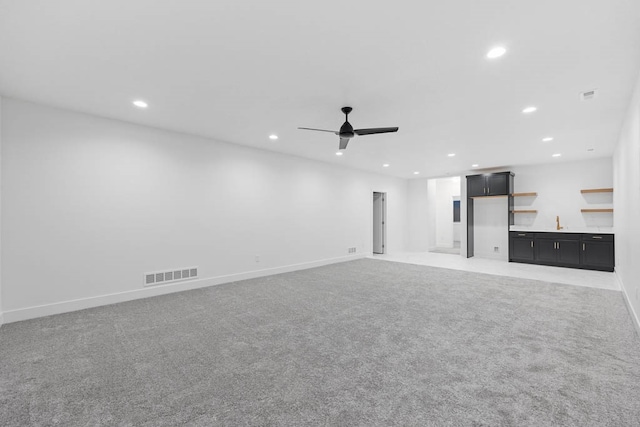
(591, 230)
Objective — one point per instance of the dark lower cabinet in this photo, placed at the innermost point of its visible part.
(577, 250)
(568, 252)
(521, 247)
(546, 250)
(558, 248)
(598, 251)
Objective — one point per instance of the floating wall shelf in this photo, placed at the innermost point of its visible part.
(596, 210)
(515, 211)
(524, 194)
(597, 190)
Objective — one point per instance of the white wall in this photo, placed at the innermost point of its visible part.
(626, 201)
(1, 192)
(418, 216)
(446, 190)
(491, 227)
(457, 226)
(90, 204)
(430, 213)
(558, 185)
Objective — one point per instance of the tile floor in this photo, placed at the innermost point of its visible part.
(570, 276)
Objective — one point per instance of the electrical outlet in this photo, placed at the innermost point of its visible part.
(351, 250)
(257, 258)
(496, 249)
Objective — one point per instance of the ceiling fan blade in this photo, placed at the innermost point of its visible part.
(321, 130)
(373, 131)
(343, 143)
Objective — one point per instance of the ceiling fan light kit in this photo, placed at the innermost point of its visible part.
(347, 131)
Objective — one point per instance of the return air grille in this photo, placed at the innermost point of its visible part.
(588, 95)
(161, 277)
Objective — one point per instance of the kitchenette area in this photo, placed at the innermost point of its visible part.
(530, 223)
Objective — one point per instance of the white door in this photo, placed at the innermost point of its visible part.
(378, 222)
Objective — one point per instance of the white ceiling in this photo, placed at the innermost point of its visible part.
(237, 71)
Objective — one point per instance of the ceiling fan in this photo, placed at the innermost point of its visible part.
(347, 131)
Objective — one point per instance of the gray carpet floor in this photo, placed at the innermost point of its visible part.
(362, 343)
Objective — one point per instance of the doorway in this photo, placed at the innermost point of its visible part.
(379, 222)
(444, 215)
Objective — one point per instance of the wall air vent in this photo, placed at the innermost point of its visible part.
(588, 95)
(177, 274)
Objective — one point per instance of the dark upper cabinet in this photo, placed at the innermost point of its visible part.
(476, 186)
(498, 184)
(491, 184)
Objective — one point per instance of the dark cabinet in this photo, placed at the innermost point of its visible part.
(558, 248)
(498, 184)
(598, 251)
(546, 250)
(476, 185)
(521, 247)
(491, 184)
(486, 185)
(589, 251)
(568, 252)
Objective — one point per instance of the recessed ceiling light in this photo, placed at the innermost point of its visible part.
(547, 139)
(556, 155)
(339, 153)
(386, 165)
(496, 52)
(529, 110)
(140, 103)
(475, 165)
(416, 173)
(273, 137)
(451, 154)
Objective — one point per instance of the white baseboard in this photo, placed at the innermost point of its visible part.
(627, 300)
(84, 303)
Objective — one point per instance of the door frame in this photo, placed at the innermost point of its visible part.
(384, 223)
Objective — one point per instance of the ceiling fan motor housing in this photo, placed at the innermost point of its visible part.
(346, 130)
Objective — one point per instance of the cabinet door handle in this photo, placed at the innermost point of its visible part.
(522, 234)
(558, 245)
(597, 237)
(583, 246)
(554, 245)
(532, 243)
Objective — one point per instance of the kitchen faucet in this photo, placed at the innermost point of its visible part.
(558, 223)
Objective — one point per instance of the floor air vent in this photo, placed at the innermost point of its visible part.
(161, 277)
